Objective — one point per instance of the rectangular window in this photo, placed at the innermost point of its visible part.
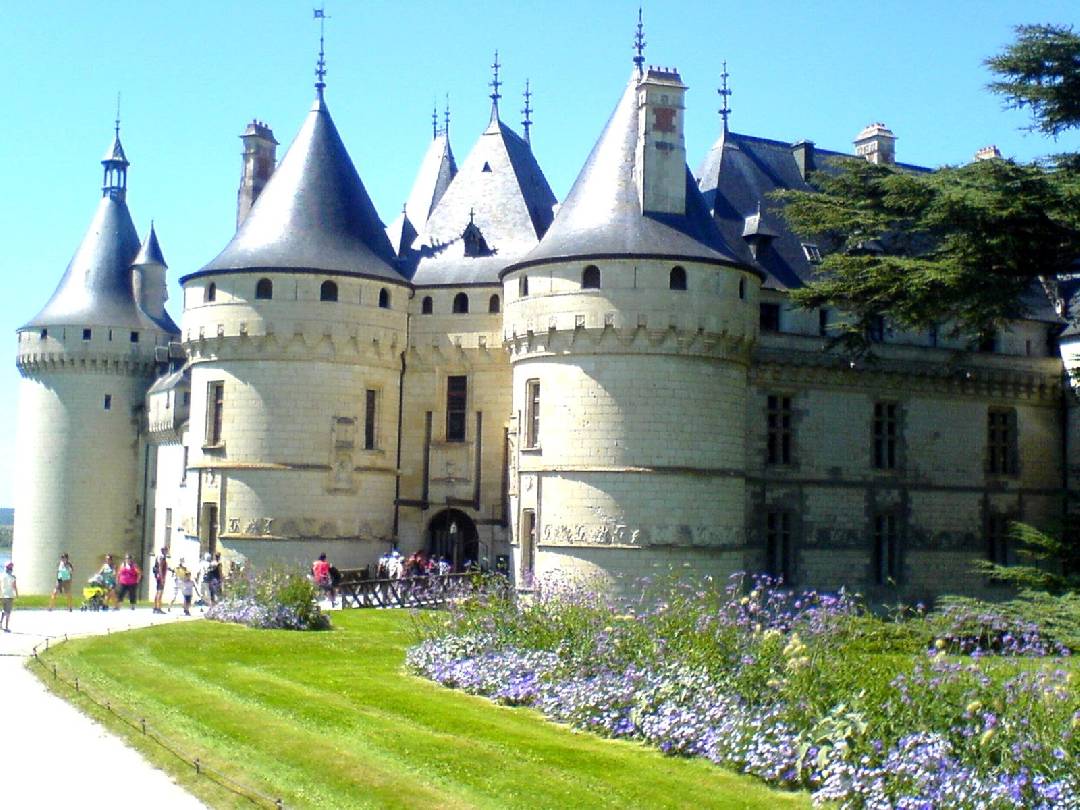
(108, 402)
(168, 528)
(997, 539)
(886, 435)
(86, 334)
(769, 317)
(457, 397)
(528, 543)
(886, 549)
(371, 399)
(778, 545)
(1001, 448)
(134, 337)
(779, 429)
(532, 413)
(183, 468)
(215, 409)
(812, 253)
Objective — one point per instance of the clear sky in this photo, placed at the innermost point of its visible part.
(192, 73)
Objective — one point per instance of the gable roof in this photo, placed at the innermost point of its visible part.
(602, 215)
(314, 214)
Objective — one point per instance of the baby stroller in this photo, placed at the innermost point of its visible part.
(95, 596)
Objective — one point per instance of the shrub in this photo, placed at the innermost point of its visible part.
(274, 598)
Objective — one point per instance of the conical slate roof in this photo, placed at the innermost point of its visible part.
(501, 189)
(602, 217)
(115, 152)
(314, 213)
(96, 288)
(437, 170)
(401, 233)
(150, 252)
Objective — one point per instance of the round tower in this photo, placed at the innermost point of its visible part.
(86, 362)
(294, 333)
(629, 329)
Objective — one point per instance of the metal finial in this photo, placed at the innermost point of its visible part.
(434, 119)
(639, 45)
(472, 214)
(117, 129)
(320, 66)
(724, 94)
(526, 122)
(495, 83)
(446, 117)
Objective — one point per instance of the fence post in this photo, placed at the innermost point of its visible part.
(198, 766)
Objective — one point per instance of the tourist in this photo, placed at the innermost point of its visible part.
(161, 568)
(106, 578)
(320, 571)
(186, 586)
(63, 581)
(9, 592)
(180, 573)
(212, 577)
(128, 579)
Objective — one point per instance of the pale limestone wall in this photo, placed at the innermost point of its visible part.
(292, 470)
(440, 345)
(78, 480)
(641, 456)
(941, 489)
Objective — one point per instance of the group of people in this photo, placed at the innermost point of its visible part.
(207, 583)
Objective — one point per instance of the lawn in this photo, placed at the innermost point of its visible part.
(331, 720)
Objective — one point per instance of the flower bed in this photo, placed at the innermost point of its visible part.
(968, 708)
(274, 599)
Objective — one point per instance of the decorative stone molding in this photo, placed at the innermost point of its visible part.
(630, 339)
(655, 536)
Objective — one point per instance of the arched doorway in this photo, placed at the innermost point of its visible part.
(453, 534)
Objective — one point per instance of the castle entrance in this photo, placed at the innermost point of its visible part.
(452, 534)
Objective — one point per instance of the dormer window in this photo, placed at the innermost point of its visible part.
(590, 278)
(487, 167)
(426, 306)
(328, 291)
(210, 294)
(461, 304)
(811, 252)
(264, 289)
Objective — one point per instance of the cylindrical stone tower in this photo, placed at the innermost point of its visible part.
(630, 328)
(86, 362)
(295, 334)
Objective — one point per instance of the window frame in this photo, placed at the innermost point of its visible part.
(329, 292)
(591, 278)
(215, 411)
(765, 323)
(427, 305)
(457, 407)
(780, 430)
(886, 556)
(885, 432)
(532, 414)
(677, 278)
(264, 289)
(210, 293)
(461, 304)
(371, 419)
(1002, 442)
(384, 298)
(780, 544)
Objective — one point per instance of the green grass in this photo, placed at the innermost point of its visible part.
(331, 720)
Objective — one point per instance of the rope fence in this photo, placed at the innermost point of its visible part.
(139, 723)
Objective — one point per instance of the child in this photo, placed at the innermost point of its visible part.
(187, 587)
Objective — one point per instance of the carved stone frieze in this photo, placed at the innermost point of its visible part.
(617, 534)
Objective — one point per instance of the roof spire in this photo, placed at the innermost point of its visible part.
(446, 117)
(724, 94)
(527, 112)
(320, 66)
(639, 45)
(434, 119)
(116, 130)
(115, 164)
(495, 85)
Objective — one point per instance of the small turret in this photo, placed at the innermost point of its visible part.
(260, 158)
(115, 163)
(660, 165)
(877, 144)
(148, 277)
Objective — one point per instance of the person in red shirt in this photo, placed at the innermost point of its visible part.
(320, 571)
(127, 581)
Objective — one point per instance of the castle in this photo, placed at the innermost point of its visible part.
(616, 384)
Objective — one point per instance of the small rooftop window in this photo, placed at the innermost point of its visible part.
(812, 253)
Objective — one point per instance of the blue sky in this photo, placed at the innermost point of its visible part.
(192, 73)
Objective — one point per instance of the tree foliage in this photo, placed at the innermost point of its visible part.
(1051, 562)
(960, 246)
(1041, 71)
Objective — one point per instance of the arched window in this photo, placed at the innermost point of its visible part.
(523, 286)
(677, 279)
(384, 298)
(742, 288)
(590, 278)
(426, 305)
(328, 291)
(461, 304)
(493, 304)
(210, 294)
(264, 289)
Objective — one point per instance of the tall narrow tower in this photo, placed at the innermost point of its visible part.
(86, 361)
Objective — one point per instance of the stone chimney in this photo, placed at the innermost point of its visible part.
(877, 144)
(988, 153)
(660, 168)
(803, 152)
(260, 159)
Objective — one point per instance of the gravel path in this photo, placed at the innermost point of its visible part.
(53, 755)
